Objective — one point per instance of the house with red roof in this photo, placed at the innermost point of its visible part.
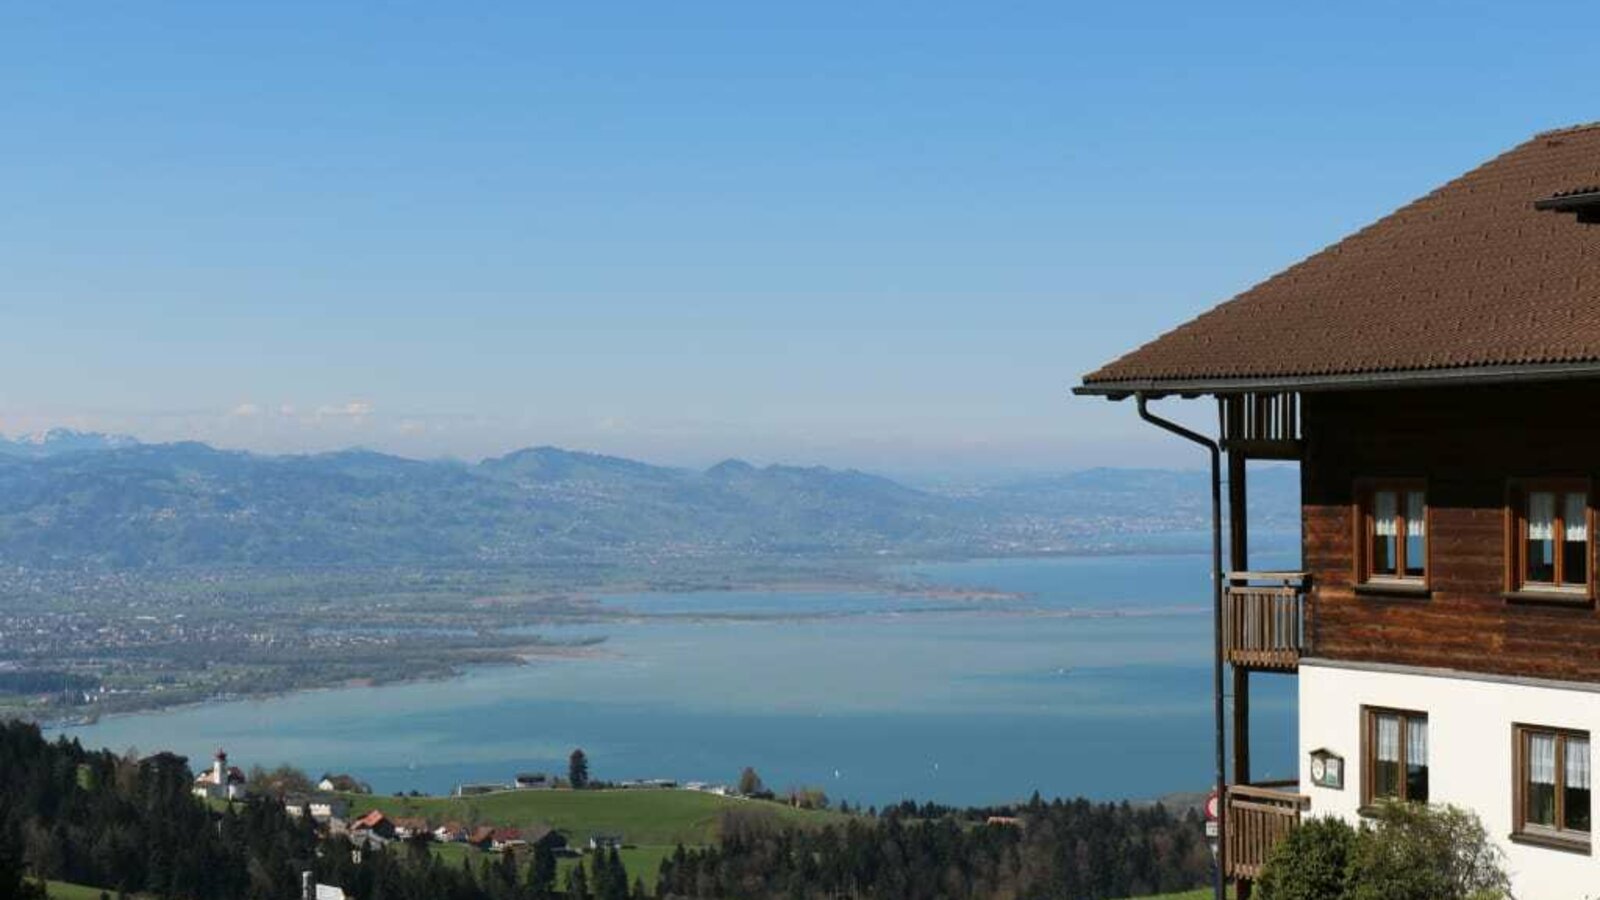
(374, 823)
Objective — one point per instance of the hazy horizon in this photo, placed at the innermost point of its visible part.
(910, 475)
(891, 238)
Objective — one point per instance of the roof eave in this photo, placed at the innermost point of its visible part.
(1461, 376)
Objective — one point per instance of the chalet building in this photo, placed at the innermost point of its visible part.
(1436, 376)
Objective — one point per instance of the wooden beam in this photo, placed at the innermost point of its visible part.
(1241, 725)
(1238, 514)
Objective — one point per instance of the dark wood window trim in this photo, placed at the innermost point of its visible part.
(1517, 587)
(1399, 584)
(1369, 752)
(1524, 832)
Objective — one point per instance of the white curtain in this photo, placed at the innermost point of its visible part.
(1416, 742)
(1416, 518)
(1578, 763)
(1576, 522)
(1541, 516)
(1542, 758)
(1383, 513)
(1388, 739)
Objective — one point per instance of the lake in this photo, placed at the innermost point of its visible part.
(1095, 681)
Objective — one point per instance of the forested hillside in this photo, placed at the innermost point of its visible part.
(131, 826)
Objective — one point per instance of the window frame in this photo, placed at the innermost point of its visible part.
(1516, 538)
(1534, 833)
(1369, 753)
(1365, 491)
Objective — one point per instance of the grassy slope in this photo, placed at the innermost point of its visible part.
(643, 817)
(61, 890)
(652, 822)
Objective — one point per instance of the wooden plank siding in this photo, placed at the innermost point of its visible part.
(1467, 443)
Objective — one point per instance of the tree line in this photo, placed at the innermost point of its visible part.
(1060, 849)
(132, 826)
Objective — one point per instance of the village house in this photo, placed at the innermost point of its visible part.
(344, 784)
(605, 841)
(530, 781)
(504, 839)
(374, 824)
(407, 827)
(320, 807)
(221, 781)
(1431, 375)
(450, 833)
(545, 836)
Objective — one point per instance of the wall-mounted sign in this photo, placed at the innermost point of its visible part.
(1327, 769)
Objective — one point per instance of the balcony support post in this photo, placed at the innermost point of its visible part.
(1239, 561)
(1238, 514)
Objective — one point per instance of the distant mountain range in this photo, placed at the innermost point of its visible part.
(61, 440)
(71, 499)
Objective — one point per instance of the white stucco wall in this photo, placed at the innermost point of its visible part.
(1469, 752)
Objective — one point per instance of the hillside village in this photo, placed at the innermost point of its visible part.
(341, 805)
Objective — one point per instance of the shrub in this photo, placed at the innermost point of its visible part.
(1417, 852)
(1311, 864)
(1407, 852)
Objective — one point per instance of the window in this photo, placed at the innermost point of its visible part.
(1552, 789)
(1395, 756)
(1394, 524)
(1550, 537)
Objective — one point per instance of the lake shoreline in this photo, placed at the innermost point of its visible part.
(864, 690)
(539, 652)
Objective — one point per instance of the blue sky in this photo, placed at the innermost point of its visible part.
(872, 234)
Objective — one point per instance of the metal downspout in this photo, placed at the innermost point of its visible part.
(1220, 881)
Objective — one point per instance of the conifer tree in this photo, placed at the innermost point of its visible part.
(577, 883)
(578, 770)
(542, 874)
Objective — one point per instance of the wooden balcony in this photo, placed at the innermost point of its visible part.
(1263, 620)
(1259, 816)
(1262, 426)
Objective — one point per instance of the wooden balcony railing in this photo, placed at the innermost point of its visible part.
(1263, 620)
(1264, 426)
(1259, 816)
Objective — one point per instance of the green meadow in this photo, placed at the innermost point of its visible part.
(643, 817)
(652, 822)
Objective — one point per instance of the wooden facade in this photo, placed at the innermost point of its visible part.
(1468, 447)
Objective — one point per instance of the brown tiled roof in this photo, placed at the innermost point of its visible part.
(1469, 277)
